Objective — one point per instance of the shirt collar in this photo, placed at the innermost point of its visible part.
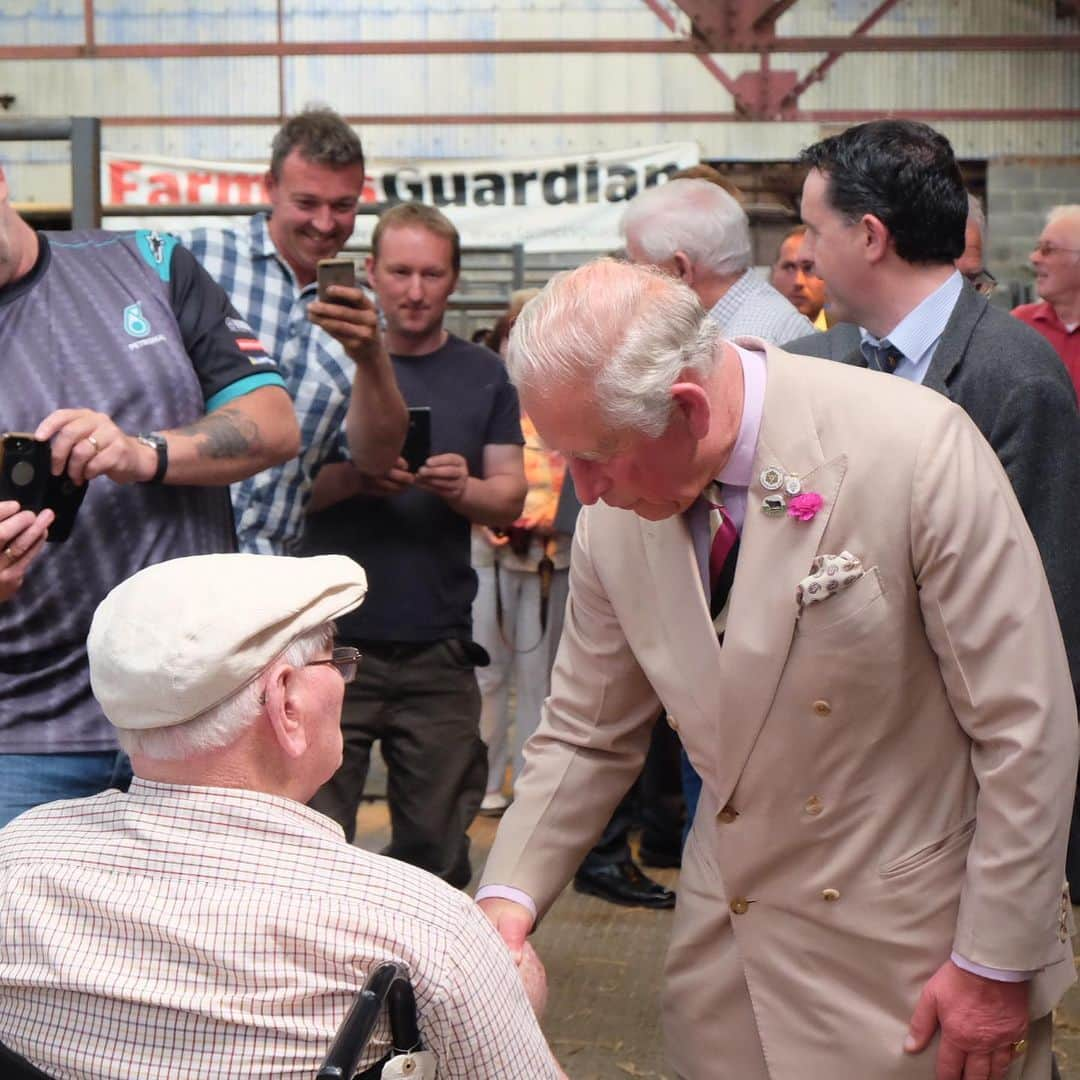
(263, 247)
(919, 330)
(238, 802)
(733, 299)
(738, 469)
(1046, 312)
(259, 230)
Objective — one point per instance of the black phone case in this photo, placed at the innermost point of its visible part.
(417, 447)
(63, 497)
(20, 454)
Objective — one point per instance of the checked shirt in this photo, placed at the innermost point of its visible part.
(191, 932)
(269, 507)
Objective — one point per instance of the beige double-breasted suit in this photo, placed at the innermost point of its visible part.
(887, 774)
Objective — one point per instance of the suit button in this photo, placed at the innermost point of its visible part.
(739, 906)
(830, 894)
(814, 806)
(727, 815)
(822, 708)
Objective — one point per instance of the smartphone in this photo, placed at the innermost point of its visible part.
(24, 469)
(63, 497)
(26, 477)
(334, 272)
(417, 447)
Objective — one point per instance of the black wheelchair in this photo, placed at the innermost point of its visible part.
(387, 986)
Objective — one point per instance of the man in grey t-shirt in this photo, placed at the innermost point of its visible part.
(123, 353)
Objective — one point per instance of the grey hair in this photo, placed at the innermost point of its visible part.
(621, 333)
(221, 725)
(976, 216)
(1069, 211)
(693, 216)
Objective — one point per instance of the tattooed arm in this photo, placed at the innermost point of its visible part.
(245, 436)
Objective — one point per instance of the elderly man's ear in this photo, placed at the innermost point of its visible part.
(684, 268)
(281, 706)
(692, 401)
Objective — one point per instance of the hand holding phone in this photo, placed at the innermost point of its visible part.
(340, 271)
(26, 478)
(351, 319)
(22, 539)
(417, 446)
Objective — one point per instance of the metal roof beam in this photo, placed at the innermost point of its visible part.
(821, 116)
(862, 44)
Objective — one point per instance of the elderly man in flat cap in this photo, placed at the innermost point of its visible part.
(207, 922)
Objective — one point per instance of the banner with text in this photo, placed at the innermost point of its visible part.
(548, 204)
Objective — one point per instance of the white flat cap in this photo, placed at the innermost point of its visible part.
(180, 637)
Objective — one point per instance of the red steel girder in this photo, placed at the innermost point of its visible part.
(821, 116)
(416, 47)
(817, 73)
(773, 12)
(710, 65)
(721, 24)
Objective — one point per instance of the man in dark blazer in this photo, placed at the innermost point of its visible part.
(886, 208)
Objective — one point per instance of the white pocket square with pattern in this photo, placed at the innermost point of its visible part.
(829, 574)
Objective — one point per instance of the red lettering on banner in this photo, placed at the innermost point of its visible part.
(369, 195)
(166, 188)
(240, 189)
(119, 185)
(196, 181)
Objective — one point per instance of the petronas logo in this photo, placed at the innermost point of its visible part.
(135, 323)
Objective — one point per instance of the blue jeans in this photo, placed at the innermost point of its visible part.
(691, 789)
(27, 780)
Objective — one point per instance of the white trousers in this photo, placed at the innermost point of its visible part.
(519, 651)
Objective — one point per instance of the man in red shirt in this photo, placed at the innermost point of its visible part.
(1056, 259)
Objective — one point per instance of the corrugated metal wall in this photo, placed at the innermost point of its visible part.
(480, 85)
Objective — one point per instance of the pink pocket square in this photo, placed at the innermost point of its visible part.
(828, 575)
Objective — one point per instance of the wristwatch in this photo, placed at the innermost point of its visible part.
(158, 444)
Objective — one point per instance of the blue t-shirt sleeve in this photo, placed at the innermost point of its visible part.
(228, 358)
(504, 425)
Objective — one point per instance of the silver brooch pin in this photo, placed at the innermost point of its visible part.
(792, 485)
(771, 478)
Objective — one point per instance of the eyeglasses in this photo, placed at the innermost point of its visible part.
(983, 282)
(1045, 248)
(345, 659)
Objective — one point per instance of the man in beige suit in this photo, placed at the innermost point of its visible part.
(873, 886)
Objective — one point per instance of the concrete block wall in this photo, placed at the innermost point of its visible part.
(1020, 191)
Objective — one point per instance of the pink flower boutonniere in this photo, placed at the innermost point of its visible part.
(803, 507)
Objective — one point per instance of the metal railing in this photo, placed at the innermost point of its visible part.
(84, 134)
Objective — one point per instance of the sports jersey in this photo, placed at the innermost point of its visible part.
(127, 324)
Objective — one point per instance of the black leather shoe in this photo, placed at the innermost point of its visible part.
(623, 883)
(660, 853)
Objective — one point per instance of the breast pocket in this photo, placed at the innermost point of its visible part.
(855, 609)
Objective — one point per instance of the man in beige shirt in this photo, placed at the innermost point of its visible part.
(207, 922)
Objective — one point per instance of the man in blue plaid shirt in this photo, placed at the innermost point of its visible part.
(325, 351)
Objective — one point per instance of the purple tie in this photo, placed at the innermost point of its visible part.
(722, 558)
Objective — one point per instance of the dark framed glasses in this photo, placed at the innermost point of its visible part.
(344, 658)
(983, 281)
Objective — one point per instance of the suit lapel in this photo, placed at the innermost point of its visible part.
(965, 316)
(680, 605)
(774, 555)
